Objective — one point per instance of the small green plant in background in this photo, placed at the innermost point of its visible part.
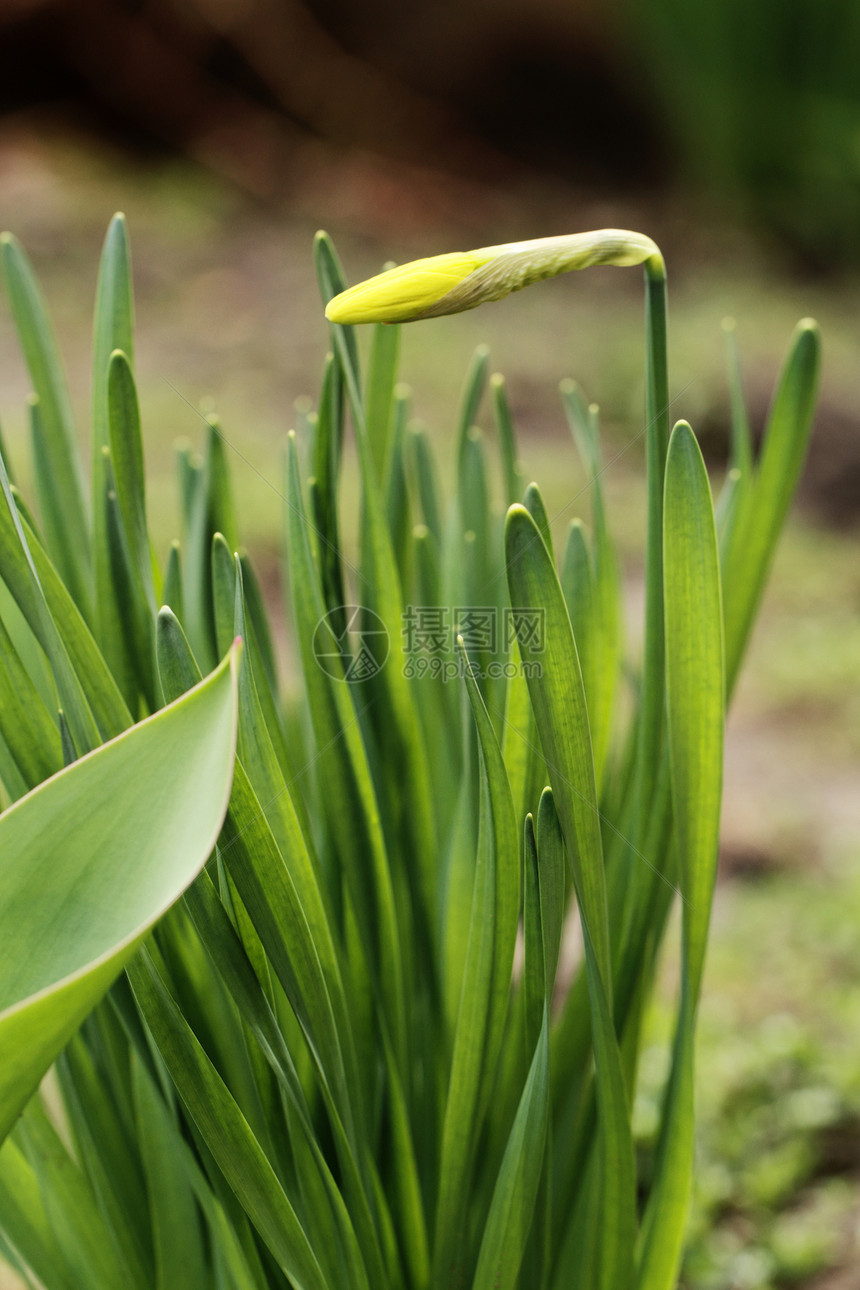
(327, 1066)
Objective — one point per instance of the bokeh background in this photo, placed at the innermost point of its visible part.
(729, 130)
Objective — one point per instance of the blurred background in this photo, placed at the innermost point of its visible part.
(229, 130)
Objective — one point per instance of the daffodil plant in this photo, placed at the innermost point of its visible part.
(265, 934)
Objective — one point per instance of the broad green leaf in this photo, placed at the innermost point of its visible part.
(72, 917)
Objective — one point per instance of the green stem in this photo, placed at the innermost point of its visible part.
(656, 441)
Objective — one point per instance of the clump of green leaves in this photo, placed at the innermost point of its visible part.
(328, 1067)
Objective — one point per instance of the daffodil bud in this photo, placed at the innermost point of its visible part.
(460, 280)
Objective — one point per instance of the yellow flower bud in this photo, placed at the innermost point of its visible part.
(460, 280)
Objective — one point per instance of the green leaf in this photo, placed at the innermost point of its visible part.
(126, 450)
(404, 746)
(536, 507)
(327, 449)
(209, 510)
(177, 1234)
(534, 987)
(515, 1193)
(72, 916)
(741, 450)
(551, 884)
(29, 730)
(763, 506)
(381, 378)
(25, 1222)
(128, 628)
(694, 683)
(105, 1146)
(606, 595)
(558, 699)
(506, 433)
(113, 322)
(224, 1128)
(113, 329)
(484, 993)
(473, 392)
(172, 591)
(92, 702)
(421, 470)
(50, 491)
(331, 282)
(71, 547)
(84, 1239)
(395, 489)
(650, 718)
(354, 817)
(695, 713)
